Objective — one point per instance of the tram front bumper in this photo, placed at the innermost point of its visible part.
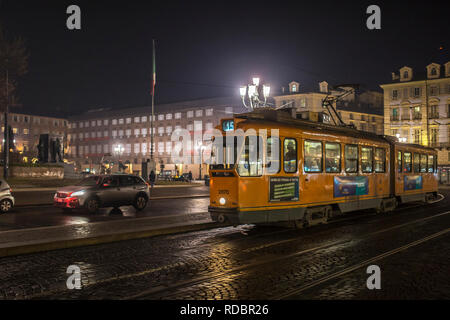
(230, 215)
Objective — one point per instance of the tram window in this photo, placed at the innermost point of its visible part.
(273, 155)
(313, 156)
(366, 159)
(351, 158)
(407, 162)
(290, 155)
(332, 157)
(430, 163)
(423, 163)
(250, 160)
(416, 164)
(380, 160)
(399, 161)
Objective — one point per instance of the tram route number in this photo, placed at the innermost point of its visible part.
(283, 189)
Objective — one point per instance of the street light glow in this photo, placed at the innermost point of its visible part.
(256, 81)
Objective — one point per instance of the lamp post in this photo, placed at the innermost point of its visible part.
(200, 147)
(119, 149)
(255, 95)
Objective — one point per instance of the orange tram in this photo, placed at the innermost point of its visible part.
(321, 171)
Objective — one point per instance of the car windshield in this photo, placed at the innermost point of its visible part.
(90, 181)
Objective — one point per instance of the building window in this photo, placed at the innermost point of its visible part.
(190, 127)
(332, 157)
(178, 115)
(144, 148)
(160, 117)
(169, 130)
(394, 94)
(313, 156)
(416, 92)
(114, 122)
(417, 136)
(105, 122)
(160, 147)
(136, 148)
(434, 91)
(198, 113)
(128, 133)
(168, 146)
(144, 119)
(128, 120)
(433, 72)
(405, 75)
(434, 136)
(190, 114)
(351, 116)
(209, 112)
(169, 116)
(136, 132)
(161, 131)
(144, 132)
(128, 148)
(137, 119)
(120, 133)
(121, 121)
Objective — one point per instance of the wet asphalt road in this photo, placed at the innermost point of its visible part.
(329, 261)
(47, 215)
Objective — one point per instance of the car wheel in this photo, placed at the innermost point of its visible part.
(140, 202)
(92, 205)
(5, 205)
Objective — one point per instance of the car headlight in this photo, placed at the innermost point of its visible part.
(77, 193)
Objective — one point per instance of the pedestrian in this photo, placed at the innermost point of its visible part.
(152, 178)
(190, 176)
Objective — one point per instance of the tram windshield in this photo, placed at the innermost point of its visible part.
(224, 153)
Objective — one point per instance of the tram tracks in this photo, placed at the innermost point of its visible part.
(171, 290)
(208, 275)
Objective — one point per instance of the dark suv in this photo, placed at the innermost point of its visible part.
(96, 191)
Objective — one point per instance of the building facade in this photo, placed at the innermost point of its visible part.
(417, 108)
(363, 117)
(27, 130)
(125, 135)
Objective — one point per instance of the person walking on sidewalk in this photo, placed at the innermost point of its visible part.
(152, 178)
(190, 176)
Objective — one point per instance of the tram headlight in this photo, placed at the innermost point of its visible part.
(222, 201)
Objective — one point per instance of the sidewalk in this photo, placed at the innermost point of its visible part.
(23, 241)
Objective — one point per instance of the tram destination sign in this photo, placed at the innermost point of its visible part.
(283, 188)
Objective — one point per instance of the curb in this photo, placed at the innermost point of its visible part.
(72, 243)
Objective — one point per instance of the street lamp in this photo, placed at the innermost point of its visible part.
(200, 147)
(255, 95)
(118, 150)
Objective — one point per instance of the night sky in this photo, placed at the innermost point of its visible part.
(210, 48)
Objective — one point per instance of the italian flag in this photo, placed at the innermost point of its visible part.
(154, 71)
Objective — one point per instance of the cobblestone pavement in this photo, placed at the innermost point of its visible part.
(250, 262)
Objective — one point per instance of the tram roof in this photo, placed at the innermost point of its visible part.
(284, 117)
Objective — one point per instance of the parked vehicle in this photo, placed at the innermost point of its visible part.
(6, 198)
(98, 191)
(184, 177)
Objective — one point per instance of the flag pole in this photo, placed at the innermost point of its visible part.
(153, 103)
(152, 161)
